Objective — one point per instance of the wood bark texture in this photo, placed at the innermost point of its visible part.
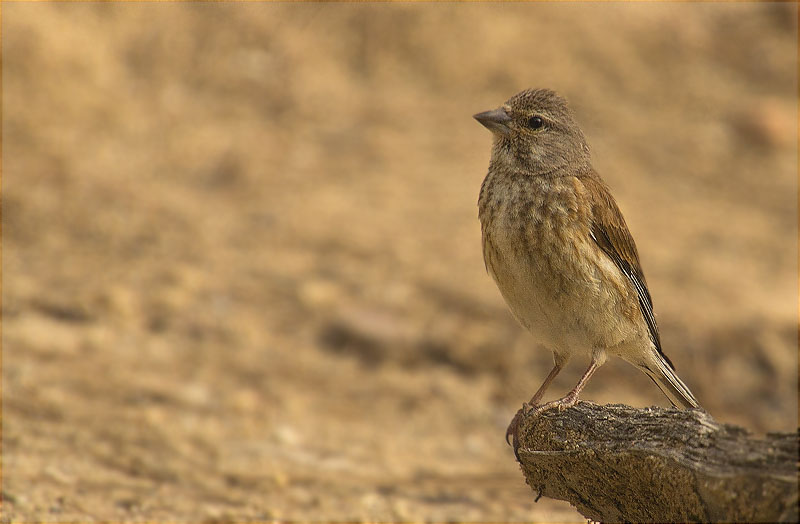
(615, 463)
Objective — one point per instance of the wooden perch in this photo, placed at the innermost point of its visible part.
(619, 464)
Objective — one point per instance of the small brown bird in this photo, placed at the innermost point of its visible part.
(560, 252)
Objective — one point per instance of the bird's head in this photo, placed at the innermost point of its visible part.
(536, 131)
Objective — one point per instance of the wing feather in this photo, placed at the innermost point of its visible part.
(611, 234)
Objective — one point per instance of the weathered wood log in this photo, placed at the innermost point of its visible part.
(615, 463)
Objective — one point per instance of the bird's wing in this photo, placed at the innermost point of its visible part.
(611, 233)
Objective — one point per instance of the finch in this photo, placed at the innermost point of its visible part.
(558, 248)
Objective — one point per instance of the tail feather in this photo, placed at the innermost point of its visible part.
(673, 387)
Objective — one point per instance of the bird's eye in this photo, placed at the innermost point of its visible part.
(535, 122)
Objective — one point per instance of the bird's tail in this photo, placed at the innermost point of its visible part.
(660, 372)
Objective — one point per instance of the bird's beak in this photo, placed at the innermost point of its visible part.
(495, 120)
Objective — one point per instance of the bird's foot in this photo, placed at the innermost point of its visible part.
(560, 404)
(530, 409)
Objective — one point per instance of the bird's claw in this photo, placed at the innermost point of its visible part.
(513, 428)
(511, 431)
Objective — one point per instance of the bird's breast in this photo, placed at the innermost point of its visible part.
(538, 249)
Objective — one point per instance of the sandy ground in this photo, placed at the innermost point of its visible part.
(242, 275)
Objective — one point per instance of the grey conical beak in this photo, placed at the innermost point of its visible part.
(495, 120)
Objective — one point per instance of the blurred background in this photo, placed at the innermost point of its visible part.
(241, 253)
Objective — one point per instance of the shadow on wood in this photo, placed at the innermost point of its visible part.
(616, 463)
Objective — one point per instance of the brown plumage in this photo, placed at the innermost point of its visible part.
(611, 233)
(557, 245)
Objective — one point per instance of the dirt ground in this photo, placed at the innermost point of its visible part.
(242, 275)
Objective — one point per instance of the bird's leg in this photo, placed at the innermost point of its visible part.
(571, 398)
(512, 428)
(540, 392)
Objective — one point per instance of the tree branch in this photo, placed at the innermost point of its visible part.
(617, 463)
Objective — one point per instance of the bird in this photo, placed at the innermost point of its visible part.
(557, 246)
